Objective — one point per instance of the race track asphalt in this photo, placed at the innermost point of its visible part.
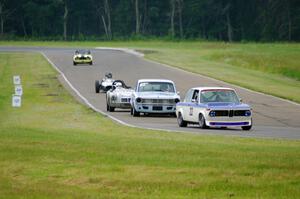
(273, 117)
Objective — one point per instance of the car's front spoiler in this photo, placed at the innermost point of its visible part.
(229, 124)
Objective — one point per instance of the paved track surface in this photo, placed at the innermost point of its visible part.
(273, 117)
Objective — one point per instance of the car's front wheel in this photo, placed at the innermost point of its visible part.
(110, 108)
(180, 121)
(135, 113)
(97, 86)
(74, 63)
(201, 122)
(246, 128)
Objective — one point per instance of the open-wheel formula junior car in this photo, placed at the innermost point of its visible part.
(105, 84)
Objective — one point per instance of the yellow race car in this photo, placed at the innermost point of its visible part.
(82, 57)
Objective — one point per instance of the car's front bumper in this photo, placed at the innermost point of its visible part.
(229, 122)
(82, 61)
(155, 108)
(121, 105)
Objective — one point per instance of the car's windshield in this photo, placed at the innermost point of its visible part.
(207, 96)
(156, 87)
(84, 52)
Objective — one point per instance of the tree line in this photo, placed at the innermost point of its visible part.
(226, 20)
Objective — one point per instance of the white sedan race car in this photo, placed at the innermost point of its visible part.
(213, 107)
(154, 96)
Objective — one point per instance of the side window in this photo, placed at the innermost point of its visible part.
(188, 96)
(195, 97)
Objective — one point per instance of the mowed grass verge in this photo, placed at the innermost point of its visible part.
(55, 147)
(269, 68)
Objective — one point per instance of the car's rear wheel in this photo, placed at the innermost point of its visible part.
(135, 113)
(97, 86)
(180, 121)
(91, 63)
(201, 122)
(74, 63)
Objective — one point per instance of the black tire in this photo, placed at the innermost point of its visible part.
(111, 109)
(180, 121)
(131, 111)
(135, 113)
(97, 86)
(201, 122)
(74, 63)
(107, 107)
(91, 63)
(246, 128)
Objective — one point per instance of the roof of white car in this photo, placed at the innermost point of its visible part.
(155, 80)
(212, 88)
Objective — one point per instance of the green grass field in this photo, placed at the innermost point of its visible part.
(269, 68)
(55, 147)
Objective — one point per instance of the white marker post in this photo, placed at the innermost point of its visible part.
(16, 101)
(17, 79)
(17, 97)
(18, 90)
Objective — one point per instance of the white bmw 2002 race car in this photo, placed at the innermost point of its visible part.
(82, 57)
(154, 96)
(105, 84)
(118, 96)
(213, 107)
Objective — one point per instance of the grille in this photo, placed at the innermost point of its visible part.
(125, 99)
(83, 58)
(157, 108)
(240, 113)
(229, 113)
(221, 113)
(158, 101)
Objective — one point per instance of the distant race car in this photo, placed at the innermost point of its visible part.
(154, 96)
(118, 96)
(213, 107)
(82, 57)
(105, 84)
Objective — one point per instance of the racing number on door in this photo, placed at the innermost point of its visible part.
(191, 111)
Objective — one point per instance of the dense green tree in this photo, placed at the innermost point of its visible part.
(228, 20)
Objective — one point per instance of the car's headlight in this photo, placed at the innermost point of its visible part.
(138, 100)
(212, 113)
(247, 113)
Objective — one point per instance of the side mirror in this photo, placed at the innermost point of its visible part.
(241, 100)
(178, 93)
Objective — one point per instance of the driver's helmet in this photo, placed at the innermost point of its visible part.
(108, 75)
(118, 84)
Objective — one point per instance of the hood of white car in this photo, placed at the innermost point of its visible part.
(157, 95)
(124, 92)
(227, 105)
